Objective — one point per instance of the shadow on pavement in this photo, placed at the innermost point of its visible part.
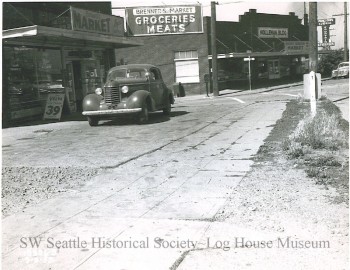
(154, 118)
(34, 121)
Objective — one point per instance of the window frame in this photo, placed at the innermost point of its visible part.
(191, 58)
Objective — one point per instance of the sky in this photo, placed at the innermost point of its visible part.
(229, 10)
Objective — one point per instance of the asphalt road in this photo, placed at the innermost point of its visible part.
(115, 142)
(164, 180)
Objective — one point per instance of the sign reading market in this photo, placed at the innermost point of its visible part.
(145, 21)
(296, 47)
(93, 22)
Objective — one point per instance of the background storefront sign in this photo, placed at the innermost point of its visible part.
(54, 106)
(325, 33)
(326, 44)
(272, 32)
(143, 21)
(329, 21)
(296, 47)
(93, 22)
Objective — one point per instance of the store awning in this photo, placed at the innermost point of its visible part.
(257, 54)
(43, 36)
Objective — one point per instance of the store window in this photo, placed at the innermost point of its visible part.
(187, 66)
(263, 71)
(31, 74)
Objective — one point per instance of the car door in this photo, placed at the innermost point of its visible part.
(156, 87)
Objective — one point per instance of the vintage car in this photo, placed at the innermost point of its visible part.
(342, 71)
(134, 89)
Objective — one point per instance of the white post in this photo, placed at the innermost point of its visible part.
(249, 70)
(313, 93)
(250, 79)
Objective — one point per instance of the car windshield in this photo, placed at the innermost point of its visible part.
(127, 73)
(343, 64)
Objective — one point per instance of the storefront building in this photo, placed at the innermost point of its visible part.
(56, 48)
(276, 44)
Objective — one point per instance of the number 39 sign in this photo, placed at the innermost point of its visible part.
(54, 105)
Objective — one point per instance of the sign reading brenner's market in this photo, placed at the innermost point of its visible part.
(272, 32)
(93, 22)
(144, 21)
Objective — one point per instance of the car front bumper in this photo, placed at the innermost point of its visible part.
(111, 112)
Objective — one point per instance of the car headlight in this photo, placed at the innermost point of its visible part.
(125, 89)
(98, 91)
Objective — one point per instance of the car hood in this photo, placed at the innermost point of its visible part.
(125, 81)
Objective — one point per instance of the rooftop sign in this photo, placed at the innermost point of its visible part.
(272, 32)
(145, 21)
(93, 22)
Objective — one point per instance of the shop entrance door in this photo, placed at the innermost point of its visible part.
(78, 85)
(84, 76)
(90, 76)
(274, 69)
(70, 87)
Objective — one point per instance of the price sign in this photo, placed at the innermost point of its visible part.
(54, 105)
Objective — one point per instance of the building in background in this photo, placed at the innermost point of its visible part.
(53, 47)
(174, 41)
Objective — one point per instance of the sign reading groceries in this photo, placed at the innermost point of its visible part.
(93, 22)
(142, 21)
(272, 32)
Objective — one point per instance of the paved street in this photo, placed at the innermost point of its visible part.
(157, 183)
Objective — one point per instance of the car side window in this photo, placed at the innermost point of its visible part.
(154, 74)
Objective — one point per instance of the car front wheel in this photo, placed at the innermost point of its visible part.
(93, 121)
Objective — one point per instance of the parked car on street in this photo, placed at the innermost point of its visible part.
(342, 71)
(134, 89)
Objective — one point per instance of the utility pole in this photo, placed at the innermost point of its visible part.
(214, 62)
(313, 36)
(345, 31)
(306, 16)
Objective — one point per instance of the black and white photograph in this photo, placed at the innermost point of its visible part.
(175, 135)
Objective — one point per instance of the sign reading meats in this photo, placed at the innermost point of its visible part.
(143, 21)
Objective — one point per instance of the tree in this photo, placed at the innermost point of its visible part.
(330, 62)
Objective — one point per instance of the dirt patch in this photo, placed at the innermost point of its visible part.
(25, 186)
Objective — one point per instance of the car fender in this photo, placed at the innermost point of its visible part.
(136, 100)
(92, 102)
(168, 96)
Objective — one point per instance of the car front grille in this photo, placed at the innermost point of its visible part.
(112, 95)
